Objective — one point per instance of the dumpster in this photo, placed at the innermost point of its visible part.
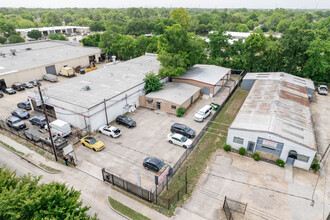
(214, 106)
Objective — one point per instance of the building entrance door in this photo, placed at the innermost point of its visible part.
(250, 147)
(158, 105)
(292, 156)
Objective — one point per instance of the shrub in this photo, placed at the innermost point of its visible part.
(180, 112)
(280, 162)
(227, 148)
(256, 156)
(242, 151)
(315, 164)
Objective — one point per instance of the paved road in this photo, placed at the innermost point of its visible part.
(93, 192)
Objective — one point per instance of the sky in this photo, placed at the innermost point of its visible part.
(257, 4)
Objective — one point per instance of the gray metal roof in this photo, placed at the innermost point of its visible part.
(41, 53)
(299, 81)
(104, 83)
(174, 92)
(280, 108)
(209, 74)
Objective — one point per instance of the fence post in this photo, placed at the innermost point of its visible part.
(113, 182)
(186, 181)
(178, 195)
(102, 173)
(168, 204)
(156, 195)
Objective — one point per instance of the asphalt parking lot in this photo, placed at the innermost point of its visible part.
(123, 156)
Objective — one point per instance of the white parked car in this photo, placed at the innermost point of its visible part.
(110, 131)
(179, 139)
(203, 113)
(322, 89)
(50, 77)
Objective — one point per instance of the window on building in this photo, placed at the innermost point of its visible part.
(302, 158)
(238, 140)
(173, 106)
(268, 148)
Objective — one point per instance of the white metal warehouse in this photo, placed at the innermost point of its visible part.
(88, 100)
(275, 121)
(209, 78)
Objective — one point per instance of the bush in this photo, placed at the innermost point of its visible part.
(227, 148)
(180, 112)
(315, 164)
(280, 162)
(256, 156)
(242, 151)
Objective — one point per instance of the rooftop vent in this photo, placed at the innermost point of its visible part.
(29, 48)
(13, 52)
(86, 88)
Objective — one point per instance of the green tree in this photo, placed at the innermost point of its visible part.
(51, 18)
(152, 83)
(96, 26)
(283, 25)
(34, 34)
(219, 46)
(58, 36)
(67, 18)
(23, 23)
(27, 17)
(92, 40)
(13, 39)
(317, 66)
(7, 28)
(134, 13)
(138, 27)
(254, 46)
(181, 16)
(3, 40)
(25, 198)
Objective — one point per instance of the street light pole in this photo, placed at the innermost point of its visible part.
(46, 116)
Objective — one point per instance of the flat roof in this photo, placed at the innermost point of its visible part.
(175, 92)
(51, 28)
(39, 54)
(104, 83)
(281, 76)
(280, 108)
(209, 74)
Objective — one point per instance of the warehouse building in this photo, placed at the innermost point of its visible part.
(275, 121)
(45, 31)
(209, 78)
(250, 78)
(25, 62)
(171, 97)
(97, 98)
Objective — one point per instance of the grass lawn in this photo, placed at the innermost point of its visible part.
(11, 148)
(126, 210)
(212, 140)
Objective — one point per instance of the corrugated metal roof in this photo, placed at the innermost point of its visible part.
(40, 53)
(209, 74)
(280, 108)
(175, 92)
(281, 76)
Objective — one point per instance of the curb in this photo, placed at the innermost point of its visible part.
(29, 161)
(119, 213)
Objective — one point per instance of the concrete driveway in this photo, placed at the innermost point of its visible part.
(124, 155)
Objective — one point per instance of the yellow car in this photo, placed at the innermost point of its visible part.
(92, 143)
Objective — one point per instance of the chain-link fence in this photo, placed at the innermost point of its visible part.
(39, 144)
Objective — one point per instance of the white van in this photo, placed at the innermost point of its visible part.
(203, 113)
(60, 127)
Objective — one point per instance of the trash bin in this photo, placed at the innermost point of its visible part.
(82, 71)
(214, 106)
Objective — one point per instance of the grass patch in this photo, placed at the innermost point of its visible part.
(159, 209)
(11, 148)
(209, 143)
(126, 210)
(51, 169)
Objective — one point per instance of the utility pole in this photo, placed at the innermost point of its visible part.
(46, 116)
(105, 109)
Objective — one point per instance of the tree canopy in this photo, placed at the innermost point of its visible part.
(25, 198)
(152, 83)
(34, 34)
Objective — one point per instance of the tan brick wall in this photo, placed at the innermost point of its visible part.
(194, 83)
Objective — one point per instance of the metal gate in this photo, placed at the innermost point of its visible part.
(51, 70)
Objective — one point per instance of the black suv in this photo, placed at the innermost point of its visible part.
(122, 119)
(15, 122)
(183, 129)
(38, 120)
